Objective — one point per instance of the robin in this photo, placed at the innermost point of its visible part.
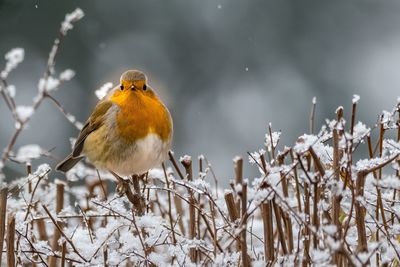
(129, 132)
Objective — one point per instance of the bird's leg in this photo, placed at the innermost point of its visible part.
(135, 182)
(122, 184)
(124, 188)
(140, 204)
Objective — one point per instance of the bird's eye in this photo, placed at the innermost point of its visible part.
(122, 87)
(144, 87)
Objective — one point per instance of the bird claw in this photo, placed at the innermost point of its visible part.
(124, 188)
(121, 188)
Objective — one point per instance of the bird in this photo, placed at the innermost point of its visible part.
(129, 131)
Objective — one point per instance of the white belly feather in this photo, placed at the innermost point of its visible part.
(147, 153)
(125, 158)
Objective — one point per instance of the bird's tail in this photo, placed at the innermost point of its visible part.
(68, 163)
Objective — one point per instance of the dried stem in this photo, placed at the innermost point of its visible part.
(187, 164)
(63, 234)
(336, 197)
(139, 202)
(171, 220)
(230, 204)
(172, 159)
(269, 247)
(243, 197)
(312, 115)
(56, 235)
(279, 226)
(10, 240)
(3, 209)
(63, 252)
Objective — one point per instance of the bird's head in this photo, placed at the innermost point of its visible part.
(133, 89)
(133, 80)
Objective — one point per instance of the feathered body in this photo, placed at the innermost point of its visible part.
(129, 131)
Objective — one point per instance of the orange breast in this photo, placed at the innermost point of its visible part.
(141, 113)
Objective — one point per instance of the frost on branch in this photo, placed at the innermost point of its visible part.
(271, 140)
(70, 18)
(29, 152)
(103, 90)
(304, 142)
(322, 200)
(360, 132)
(314, 100)
(13, 58)
(24, 112)
(11, 90)
(48, 84)
(187, 217)
(67, 75)
(356, 98)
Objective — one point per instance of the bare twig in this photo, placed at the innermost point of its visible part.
(3, 209)
(63, 234)
(10, 240)
(169, 205)
(269, 247)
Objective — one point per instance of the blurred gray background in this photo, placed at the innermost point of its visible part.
(225, 68)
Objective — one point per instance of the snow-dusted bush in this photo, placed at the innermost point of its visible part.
(313, 202)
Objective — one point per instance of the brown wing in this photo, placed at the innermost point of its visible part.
(68, 163)
(93, 123)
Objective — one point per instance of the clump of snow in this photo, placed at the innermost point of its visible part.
(386, 119)
(304, 142)
(13, 58)
(238, 188)
(314, 100)
(185, 158)
(201, 185)
(330, 229)
(42, 170)
(365, 164)
(48, 84)
(70, 18)
(227, 259)
(11, 90)
(29, 152)
(360, 131)
(67, 75)
(255, 156)
(272, 142)
(237, 158)
(339, 109)
(157, 173)
(24, 112)
(262, 195)
(391, 146)
(71, 118)
(389, 182)
(320, 256)
(355, 99)
(103, 90)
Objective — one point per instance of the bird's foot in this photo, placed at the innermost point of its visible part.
(124, 187)
(122, 184)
